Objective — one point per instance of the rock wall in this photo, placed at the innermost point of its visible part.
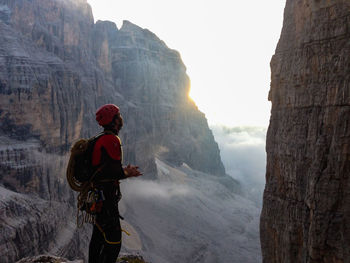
(56, 68)
(306, 211)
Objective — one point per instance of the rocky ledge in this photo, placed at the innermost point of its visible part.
(54, 259)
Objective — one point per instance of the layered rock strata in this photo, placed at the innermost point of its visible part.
(56, 68)
(306, 211)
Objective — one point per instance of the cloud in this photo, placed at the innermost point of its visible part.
(243, 153)
(154, 189)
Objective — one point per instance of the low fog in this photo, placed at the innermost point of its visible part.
(153, 189)
(243, 153)
(189, 216)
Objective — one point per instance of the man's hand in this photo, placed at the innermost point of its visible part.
(132, 171)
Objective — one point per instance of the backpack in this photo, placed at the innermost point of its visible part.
(80, 177)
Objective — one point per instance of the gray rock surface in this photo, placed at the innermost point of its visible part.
(53, 259)
(306, 211)
(47, 259)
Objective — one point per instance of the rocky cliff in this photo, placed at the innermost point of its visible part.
(53, 259)
(56, 68)
(306, 211)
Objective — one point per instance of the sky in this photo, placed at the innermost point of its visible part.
(226, 46)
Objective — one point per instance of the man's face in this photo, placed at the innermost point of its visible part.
(118, 123)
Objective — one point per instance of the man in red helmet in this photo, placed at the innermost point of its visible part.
(107, 156)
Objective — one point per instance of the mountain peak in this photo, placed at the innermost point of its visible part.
(128, 26)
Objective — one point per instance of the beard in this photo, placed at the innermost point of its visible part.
(120, 124)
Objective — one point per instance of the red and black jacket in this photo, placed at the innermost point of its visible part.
(107, 156)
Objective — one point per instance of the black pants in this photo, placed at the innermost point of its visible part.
(100, 251)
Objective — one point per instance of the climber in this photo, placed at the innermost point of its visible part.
(107, 155)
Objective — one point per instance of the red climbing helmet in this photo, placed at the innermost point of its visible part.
(106, 113)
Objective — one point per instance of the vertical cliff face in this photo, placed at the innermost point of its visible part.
(41, 112)
(306, 211)
(46, 69)
(56, 68)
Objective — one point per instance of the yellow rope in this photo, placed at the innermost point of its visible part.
(126, 232)
(104, 235)
(78, 148)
